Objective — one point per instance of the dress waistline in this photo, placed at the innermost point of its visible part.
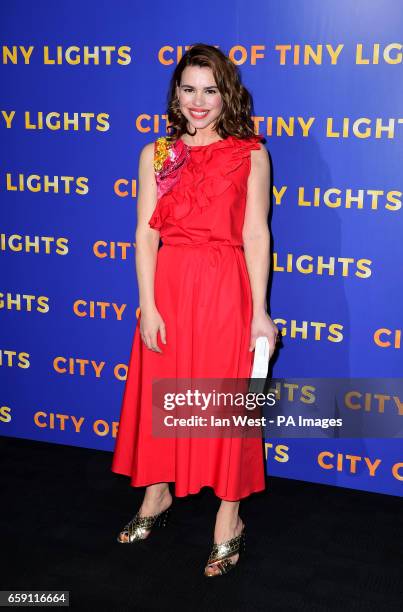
(203, 244)
(210, 256)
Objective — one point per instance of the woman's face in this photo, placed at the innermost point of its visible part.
(199, 98)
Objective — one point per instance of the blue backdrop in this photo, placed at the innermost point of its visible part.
(83, 90)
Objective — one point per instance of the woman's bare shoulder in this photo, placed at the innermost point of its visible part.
(148, 150)
(146, 159)
(261, 151)
(260, 156)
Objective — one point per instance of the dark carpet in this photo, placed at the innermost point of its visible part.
(309, 547)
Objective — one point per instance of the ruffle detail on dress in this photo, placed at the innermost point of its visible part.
(207, 176)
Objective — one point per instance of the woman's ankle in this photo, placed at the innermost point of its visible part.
(156, 496)
(229, 513)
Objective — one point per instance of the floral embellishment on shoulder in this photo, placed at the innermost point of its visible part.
(161, 147)
(169, 158)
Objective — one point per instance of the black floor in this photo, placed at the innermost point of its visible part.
(309, 547)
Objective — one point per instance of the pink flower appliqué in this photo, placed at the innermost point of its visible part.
(170, 156)
(169, 159)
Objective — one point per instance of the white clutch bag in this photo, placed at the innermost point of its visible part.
(260, 366)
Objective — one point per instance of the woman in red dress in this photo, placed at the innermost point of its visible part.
(204, 190)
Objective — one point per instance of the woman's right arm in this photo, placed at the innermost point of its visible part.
(147, 241)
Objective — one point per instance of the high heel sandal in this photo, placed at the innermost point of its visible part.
(136, 528)
(220, 554)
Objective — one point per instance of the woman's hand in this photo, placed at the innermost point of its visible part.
(262, 325)
(150, 323)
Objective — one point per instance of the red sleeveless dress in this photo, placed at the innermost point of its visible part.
(202, 291)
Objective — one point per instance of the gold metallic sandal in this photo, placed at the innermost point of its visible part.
(137, 528)
(220, 554)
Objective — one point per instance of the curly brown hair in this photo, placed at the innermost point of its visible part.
(235, 117)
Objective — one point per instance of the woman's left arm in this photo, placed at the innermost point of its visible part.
(256, 241)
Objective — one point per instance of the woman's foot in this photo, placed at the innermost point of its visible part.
(226, 528)
(155, 501)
